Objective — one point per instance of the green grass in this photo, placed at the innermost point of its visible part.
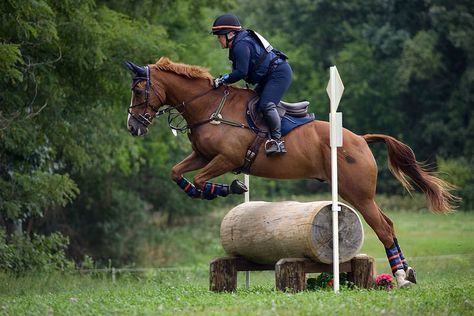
(446, 283)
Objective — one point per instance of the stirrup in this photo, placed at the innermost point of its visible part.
(274, 147)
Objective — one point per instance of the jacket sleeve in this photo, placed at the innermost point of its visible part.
(241, 62)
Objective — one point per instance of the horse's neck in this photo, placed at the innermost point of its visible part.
(196, 95)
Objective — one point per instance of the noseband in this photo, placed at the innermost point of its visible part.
(145, 118)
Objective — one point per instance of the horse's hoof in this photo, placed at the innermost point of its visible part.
(238, 187)
(411, 275)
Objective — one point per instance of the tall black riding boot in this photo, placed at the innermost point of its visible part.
(273, 146)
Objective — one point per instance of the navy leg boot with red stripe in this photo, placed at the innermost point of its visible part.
(397, 266)
(211, 190)
(411, 273)
(189, 188)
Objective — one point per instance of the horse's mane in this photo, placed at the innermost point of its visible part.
(189, 71)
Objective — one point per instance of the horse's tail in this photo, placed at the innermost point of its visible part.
(402, 163)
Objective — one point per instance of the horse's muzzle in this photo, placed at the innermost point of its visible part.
(135, 127)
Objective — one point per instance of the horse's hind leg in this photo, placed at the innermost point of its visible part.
(410, 271)
(384, 230)
(360, 193)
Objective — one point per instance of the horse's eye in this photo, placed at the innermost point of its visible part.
(138, 92)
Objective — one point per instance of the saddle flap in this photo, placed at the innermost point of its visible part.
(292, 116)
(298, 109)
(255, 115)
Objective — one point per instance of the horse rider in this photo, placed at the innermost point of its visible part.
(257, 62)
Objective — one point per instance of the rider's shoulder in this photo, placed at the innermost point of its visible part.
(244, 39)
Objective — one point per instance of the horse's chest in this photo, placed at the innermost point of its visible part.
(205, 144)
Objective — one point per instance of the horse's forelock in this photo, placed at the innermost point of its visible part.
(189, 71)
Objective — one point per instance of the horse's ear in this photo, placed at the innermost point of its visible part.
(137, 70)
(129, 65)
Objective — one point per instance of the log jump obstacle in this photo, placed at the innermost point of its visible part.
(292, 239)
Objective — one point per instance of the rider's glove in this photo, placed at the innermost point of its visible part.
(220, 81)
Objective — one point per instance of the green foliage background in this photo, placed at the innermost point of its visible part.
(68, 164)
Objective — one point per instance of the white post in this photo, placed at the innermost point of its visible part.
(334, 90)
(247, 199)
(247, 184)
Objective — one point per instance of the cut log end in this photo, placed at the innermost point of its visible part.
(351, 234)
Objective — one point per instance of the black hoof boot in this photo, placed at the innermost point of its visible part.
(411, 275)
(237, 187)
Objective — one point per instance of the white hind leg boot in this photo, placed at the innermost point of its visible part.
(402, 282)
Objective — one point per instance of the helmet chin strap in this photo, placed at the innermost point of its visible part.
(227, 40)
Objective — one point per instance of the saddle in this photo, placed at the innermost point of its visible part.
(292, 115)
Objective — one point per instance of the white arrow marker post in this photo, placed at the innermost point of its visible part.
(247, 199)
(334, 90)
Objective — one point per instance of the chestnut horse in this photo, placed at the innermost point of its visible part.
(221, 148)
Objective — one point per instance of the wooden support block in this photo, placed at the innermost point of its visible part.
(363, 271)
(223, 274)
(290, 275)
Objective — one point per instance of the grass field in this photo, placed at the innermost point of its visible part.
(441, 247)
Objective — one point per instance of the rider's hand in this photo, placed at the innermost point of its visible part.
(220, 81)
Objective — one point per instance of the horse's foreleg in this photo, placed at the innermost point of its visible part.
(216, 167)
(190, 163)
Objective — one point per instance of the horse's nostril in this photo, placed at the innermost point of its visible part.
(131, 129)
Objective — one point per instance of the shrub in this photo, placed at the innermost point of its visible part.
(23, 253)
(325, 281)
(458, 172)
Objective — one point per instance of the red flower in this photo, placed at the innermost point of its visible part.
(384, 281)
(330, 283)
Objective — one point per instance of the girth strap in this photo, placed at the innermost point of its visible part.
(251, 154)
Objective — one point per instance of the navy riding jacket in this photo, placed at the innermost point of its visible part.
(245, 54)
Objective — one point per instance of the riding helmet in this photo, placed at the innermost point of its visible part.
(226, 23)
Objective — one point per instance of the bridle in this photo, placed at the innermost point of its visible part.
(145, 117)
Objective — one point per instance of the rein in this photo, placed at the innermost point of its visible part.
(145, 118)
(216, 117)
